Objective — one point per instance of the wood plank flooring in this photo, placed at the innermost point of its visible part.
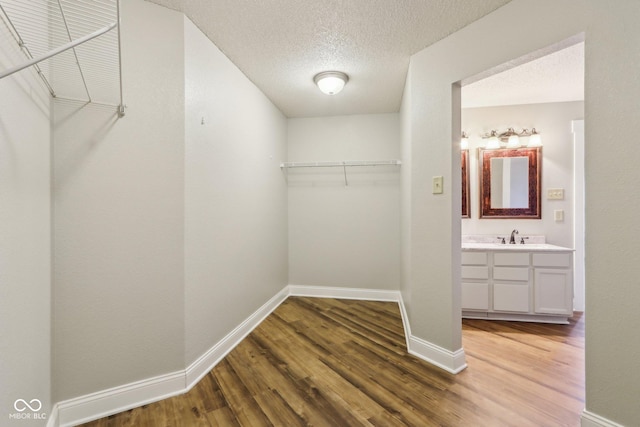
(327, 362)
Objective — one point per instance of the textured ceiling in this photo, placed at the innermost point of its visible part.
(281, 44)
(556, 77)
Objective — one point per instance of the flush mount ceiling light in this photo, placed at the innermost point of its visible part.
(331, 82)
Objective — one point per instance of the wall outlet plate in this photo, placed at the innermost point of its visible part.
(555, 194)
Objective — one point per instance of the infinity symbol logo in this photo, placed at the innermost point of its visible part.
(21, 405)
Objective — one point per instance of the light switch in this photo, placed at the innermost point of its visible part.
(437, 185)
(558, 215)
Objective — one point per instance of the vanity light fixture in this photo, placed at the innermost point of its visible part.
(464, 141)
(331, 82)
(511, 138)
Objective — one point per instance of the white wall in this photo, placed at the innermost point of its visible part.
(235, 196)
(25, 239)
(611, 93)
(554, 122)
(119, 218)
(170, 223)
(612, 90)
(344, 236)
(433, 225)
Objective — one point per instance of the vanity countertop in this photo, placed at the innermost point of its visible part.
(531, 247)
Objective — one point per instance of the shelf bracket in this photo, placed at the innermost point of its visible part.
(344, 169)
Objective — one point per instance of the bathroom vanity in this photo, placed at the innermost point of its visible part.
(524, 282)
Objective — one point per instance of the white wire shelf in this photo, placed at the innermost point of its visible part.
(288, 165)
(344, 164)
(73, 45)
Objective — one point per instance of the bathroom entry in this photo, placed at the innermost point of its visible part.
(545, 92)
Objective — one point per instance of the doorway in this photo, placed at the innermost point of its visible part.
(546, 93)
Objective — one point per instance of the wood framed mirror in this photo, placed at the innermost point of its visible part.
(510, 183)
(464, 165)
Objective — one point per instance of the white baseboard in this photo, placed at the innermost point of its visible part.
(589, 419)
(52, 419)
(344, 293)
(451, 361)
(118, 399)
(215, 354)
(122, 398)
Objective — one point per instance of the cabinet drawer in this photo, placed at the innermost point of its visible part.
(511, 297)
(474, 258)
(475, 296)
(552, 260)
(508, 259)
(470, 272)
(520, 274)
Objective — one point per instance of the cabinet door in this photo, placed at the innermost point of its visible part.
(553, 291)
(475, 296)
(511, 297)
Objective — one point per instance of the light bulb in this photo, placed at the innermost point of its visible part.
(513, 142)
(493, 142)
(464, 142)
(535, 140)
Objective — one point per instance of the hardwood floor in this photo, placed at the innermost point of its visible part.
(327, 362)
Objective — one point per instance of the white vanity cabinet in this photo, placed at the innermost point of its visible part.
(518, 283)
(553, 283)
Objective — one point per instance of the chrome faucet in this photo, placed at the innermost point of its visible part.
(512, 239)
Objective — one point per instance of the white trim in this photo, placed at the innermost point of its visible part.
(577, 127)
(516, 317)
(405, 321)
(52, 419)
(205, 363)
(451, 361)
(118, 399)
(589, 419)
(344, 293)
(122, 398)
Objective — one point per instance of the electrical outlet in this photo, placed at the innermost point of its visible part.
(437, 185)
(555, 194)
(558, 215)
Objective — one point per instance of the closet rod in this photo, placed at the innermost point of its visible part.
(58, 50)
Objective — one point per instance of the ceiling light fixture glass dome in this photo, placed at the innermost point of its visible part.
(331, 82)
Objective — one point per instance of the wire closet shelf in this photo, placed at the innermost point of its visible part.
(72, 45)
(343, 164)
